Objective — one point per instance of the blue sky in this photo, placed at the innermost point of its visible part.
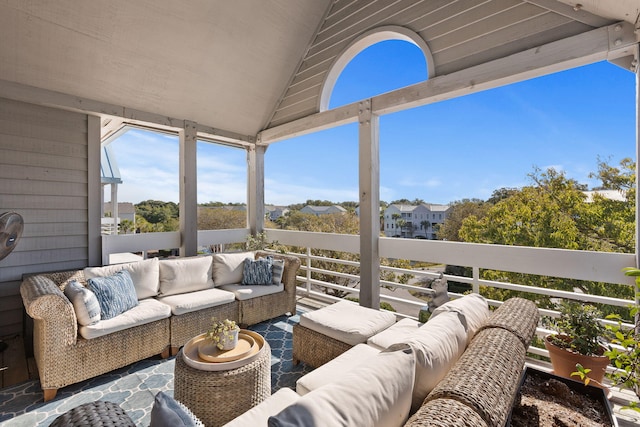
(462, 148)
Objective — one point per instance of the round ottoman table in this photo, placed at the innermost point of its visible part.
(217, 397)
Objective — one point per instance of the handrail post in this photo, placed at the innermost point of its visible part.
(308, 270)
(476, 278)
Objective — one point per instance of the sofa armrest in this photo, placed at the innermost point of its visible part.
(45, 302)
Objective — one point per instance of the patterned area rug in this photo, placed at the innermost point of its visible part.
(134, 387)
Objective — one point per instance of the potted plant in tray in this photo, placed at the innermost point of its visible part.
(223, 333)
(577, 342)
(625, 355)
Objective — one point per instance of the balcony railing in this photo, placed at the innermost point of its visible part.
(558, 263)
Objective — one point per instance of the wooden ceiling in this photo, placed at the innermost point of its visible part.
(245, 65)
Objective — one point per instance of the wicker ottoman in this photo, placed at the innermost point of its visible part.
(217, 397)
(324, 334)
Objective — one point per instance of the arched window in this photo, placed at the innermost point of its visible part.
(379, 61)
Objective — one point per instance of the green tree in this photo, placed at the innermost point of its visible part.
(460, 210)
(554, 212)
(155, 211)
(220, 218)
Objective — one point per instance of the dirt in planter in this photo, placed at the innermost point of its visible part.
(551, 403)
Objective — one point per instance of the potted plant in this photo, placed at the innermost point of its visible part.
(223, 333)
(577, 342)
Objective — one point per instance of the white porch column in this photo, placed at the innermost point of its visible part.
(369, 183)
(188, 190)
(94, 192)
(255, 188)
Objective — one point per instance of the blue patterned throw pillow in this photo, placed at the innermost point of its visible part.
(116, 294)
(85, 303)
(257, 272)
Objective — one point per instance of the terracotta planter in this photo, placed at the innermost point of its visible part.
(564, 362)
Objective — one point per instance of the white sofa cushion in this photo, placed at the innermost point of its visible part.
(198, 300)
(347, 321)
(147, 311)
(258, 415)
(145, 275)
(475, 309)
(438, 345)
(336, 368)
(400, 332)
(245, 292)
(377, 393)
(180, 275)
(85, 303)
(228, 268)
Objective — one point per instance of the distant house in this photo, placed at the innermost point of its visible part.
(616, 195)
(414, 221)
(275, 212)
(323, 210)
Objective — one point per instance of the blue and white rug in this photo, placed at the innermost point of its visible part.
(134, 387)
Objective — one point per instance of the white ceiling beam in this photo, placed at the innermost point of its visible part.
(586, 48)
(49, 98)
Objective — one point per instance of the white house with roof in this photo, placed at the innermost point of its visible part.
(323, 210)
(274, 212)
(419, 221)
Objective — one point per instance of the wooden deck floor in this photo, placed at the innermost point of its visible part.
(13, 362)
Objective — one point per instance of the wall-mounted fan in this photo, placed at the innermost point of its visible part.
(11, 226)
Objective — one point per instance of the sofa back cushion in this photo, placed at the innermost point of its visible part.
(473, 307)
(438, 345)
(144, 274)
(188, 274)
(228, 268)
(376, 394)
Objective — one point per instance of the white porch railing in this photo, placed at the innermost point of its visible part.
(570, 264)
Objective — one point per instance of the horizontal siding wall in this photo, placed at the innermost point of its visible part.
(43, 177)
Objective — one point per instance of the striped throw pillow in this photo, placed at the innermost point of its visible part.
(116, 294)
(257, 272)
(277, 271)
(85, 303)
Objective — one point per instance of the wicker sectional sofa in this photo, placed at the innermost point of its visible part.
(164, 319)
(453, 370)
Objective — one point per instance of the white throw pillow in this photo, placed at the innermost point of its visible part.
(473, 307)
(189, 274)
(438, 345)
(145, 275)
(228, 268)
(376, 394)
(85, 303)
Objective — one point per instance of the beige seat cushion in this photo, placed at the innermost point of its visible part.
(245, 292)
(347, 321)
(147, 311)
(258, 415)
(376, 394)
(198, 300)
(336, 368)
(400, 332)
